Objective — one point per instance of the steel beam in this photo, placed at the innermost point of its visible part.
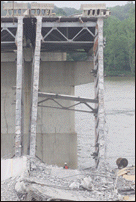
(66, 97)
(48, 33)
(9, 25)
(90, 32)
(65, 108)
(78, 33)
(7, 42)
(61, 33)
(9, 32)
(69, 41)
(69, 24)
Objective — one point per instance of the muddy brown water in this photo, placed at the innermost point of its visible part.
(120, 122)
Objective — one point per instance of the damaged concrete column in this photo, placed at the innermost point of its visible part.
(35, 86)
(99, 90)
(19, 80)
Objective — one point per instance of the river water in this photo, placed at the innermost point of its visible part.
(120, 122)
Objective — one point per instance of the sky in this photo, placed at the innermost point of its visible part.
(76, 4)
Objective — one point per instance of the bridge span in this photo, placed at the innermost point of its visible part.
(37, 80)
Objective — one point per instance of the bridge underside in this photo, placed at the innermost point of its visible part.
(58, 34)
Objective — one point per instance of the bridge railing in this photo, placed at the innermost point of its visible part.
(41, 9)
(21, 9)
(94, 10)
(16, 9)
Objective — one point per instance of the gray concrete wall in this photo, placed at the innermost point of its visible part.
(53, 56)
(27, 90)
(82, 72)
(56, 137)
(8, 80)
(56, 149)
(77, 73)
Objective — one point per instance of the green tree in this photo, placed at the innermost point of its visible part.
(59, 11)
(129, 30)
(71, 11)
(130, 2)
(122, 12)
(77, 56)
(119, 53)
(115, 53)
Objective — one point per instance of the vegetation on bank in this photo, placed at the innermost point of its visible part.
(119, 30)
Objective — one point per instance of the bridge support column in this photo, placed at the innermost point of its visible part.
(19, 90)
(99, 91)
(35, 86)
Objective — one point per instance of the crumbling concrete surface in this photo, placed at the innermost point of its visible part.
(125, 183)
(41, 182)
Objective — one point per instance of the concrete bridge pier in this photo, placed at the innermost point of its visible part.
(56, 140)
(56, 137)
(44, 85)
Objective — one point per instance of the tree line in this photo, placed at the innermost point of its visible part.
(119, 30)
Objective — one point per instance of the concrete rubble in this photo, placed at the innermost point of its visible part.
(42, 182)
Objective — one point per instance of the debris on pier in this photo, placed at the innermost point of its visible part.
(42, 182)
(126, 183)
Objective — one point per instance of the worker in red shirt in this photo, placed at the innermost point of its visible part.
(65, 166)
